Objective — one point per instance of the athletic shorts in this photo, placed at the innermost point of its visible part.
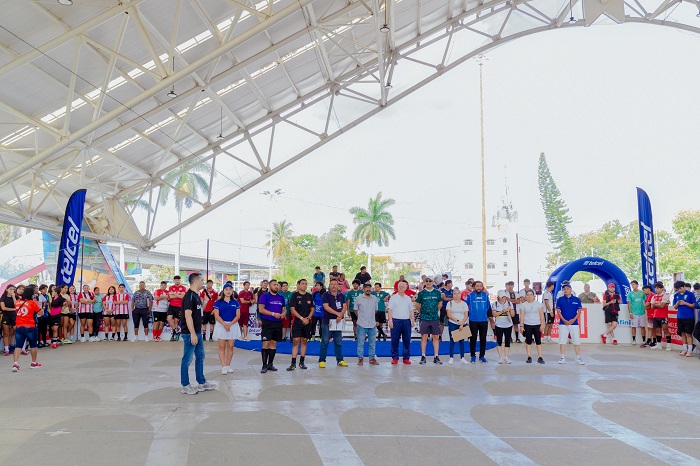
(429, 327)
(569, 330)
(72, 316)
(299, 330)
(353, 316)
(686, 326)
(659, 323)
(638, 321)
(244, 320)
(208, 318)
(55, 321)
(650, 322)
(160, 317)
(121, 316)
(287, 322)
(516, 320)
(9, 318)
(271, 330)
(550, 318)
(443, 315)
(85, 315)
(26, 334)
(380, 317)
(610, 317)
(174, 311)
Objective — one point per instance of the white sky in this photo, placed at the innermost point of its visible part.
(613, 107)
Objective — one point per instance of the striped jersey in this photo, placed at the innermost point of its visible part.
(122, 309)
(108, 303)
(86, 307)
(74, 302)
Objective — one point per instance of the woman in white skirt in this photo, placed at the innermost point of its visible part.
(226, 330)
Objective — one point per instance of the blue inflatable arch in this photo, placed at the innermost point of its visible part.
(604, 269)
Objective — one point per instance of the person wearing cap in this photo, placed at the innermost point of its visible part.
(226, 311)
(568, 308)
(611, 307)
(366, 307)
(503, 313)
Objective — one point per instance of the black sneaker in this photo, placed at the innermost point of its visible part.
(422, 360)
(436, 360)
(518, 340)
(263, 370)
(302, 365)
(271, 368)
(211, 338)
(540, 361)
(529, 360)
(291, 367)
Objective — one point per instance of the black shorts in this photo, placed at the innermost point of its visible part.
(516, 320)
(271, 330)
(550, 318)
(429, 327)
(208, 318)
(174, 311)
(353, 316)
(55, 321)
(160, 317)
(299, 330)
(72, 316)
(85, 315)
(686, 326)
(659, 323)
(121, 316)
(610, 317)
(443, 315)
(380, 317)
(9, 318)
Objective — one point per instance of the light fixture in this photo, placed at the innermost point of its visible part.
(698, 15)
(221, 125)
(384, 29)
(65, 2)
(172, 94)
(572, 20)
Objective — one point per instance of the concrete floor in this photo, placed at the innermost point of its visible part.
(119, 403)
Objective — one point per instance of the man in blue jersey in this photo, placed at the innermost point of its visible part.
(568, 308)
(684, 302)
(479, 310)
(272, 309)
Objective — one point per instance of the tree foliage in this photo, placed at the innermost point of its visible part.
(556, 213)
(374, 224)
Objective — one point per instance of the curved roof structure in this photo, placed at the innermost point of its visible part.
(120, 97)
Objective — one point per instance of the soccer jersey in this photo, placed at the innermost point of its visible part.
(350, 298)
(213, 296)
(26, 310)
(381, 296)
(429, 301)
(661, 312)
(162, 305)
(122, 309)
(98, 305)
(177, 302)
(636, 300)
(85, 308)
(685, 312)
(302, 303)
(248, 296)
(273, 303)
(74, 302)
(287, 301)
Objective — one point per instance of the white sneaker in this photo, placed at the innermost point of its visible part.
(224, 370)
(668, 347)
(206, 386)
(500, 361)
(580, 362)
(134, 339)
(562, 360)
(506, 360)
(82, 340)
(684, 352)
(464, 361)
(450, 361)
(189, 390)
(147, 338)
(230, 371)
(634, 342)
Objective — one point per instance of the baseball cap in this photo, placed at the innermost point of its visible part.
(227, 285)
(611, 284)
(566, 285)
(502, 294)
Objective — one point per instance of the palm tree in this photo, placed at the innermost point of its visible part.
(279, 240)
(374, 224)
(189, 183)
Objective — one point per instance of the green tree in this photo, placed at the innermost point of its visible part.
(279, 240)
(556, 213)
(186, 184)
(374, 224)
(162, 272)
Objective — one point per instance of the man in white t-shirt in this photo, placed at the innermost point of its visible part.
(548, 301)
(401, 321)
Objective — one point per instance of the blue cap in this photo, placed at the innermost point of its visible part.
(228, 285)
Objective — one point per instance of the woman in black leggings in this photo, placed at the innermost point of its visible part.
(532, 325)
(503, 314)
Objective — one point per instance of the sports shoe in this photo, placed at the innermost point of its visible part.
(54, 345)
(302, 366)
(291, 367)
(82, 340)
(407, 362)
(7, 352)
(342, 364)
(602, 337)
(373, 362)
(189, 390)
(450, 361)
(483, 359)
(655, 345)
(689, 355)
(540, 361)
(146, 338)
(360, 361)
(436, 360)
(394, 361)
(473, 360)
(668, 347)
(211, 338)
(224, 370)
(172, 337)
(271, 367)
(464, 361)
(111, 338)
(422, 360)
(614, 342)
(500, 360)
(263, 370)
(35, 365)
(15, 367)
(119, 338)
(562, 360)
(643, 345)
(506, 360)
(529, 360)
(134, 339)
(518, 340)
(580, 362)
(206, 386)
(634, 342)
(683, 353)
(23, 352)
(322, 364)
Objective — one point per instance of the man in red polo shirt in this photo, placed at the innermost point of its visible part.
(208, 296)
(659, 303)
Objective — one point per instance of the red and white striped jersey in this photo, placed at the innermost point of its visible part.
(122, 309)
(108, 303)
(85, 308)
(74, 302)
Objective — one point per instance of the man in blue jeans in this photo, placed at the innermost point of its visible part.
(366, 307)
(334, 308)
(192, 314)
(401, 321)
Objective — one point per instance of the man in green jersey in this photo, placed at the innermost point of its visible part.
(383, 298)
(638, 315)
(350, 299)
(428, 303)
